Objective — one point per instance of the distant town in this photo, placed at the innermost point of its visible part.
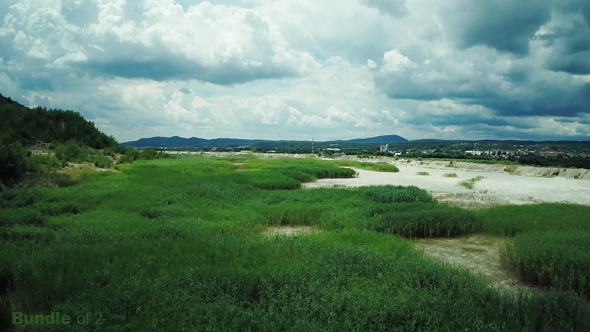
(541, 153)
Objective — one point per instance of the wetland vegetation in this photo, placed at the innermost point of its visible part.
(181, 244)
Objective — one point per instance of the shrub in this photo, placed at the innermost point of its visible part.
(149, 154)
(71, 152)
(13, 163)
(102, 162)
(130, 156)
(40, 164)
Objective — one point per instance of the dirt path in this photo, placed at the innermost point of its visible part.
(478, 253)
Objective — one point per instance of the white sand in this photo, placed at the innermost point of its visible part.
(494, 189)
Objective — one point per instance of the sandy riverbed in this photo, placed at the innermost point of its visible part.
(496, 188)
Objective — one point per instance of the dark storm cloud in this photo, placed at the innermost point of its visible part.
(404, 86)
(569, 45)
(544, 99)
(182, 69)
(574, 6)
(537, 95)
(472, 119)
(515, 59)
(505, 25)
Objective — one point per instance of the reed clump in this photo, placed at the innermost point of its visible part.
(549, 243)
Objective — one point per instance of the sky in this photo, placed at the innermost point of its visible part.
(305, 69)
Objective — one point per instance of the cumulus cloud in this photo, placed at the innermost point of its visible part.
(296, 69)
(352, 29)
(153, 39)
(394, 61)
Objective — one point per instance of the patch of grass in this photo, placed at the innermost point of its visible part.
(376, 166)
(450, 175)
(294, 214)
(423, 173)
(379, 167)
(51, 179)
(272, 181)
(549, 244)
(426, 220)
(510, 168)
(511, 220)
(551, 259)
(396, 194)
(469, 184)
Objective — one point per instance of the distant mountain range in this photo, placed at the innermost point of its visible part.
(195, 142)
(385, 139)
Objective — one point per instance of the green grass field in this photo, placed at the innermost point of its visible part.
(180, 244)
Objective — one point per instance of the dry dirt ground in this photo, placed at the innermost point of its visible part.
(477, 253)
(495, 187)
(290, 230)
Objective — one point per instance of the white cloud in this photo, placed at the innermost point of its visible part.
(157, 40)
(296, 69)
(394, 61)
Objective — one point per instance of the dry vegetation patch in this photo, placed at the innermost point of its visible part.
(290, 230)
(478, 253)
(241, 167)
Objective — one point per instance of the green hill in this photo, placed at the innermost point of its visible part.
(71, 138)
(32, 125)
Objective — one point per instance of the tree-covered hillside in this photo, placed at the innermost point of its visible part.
(27, 126)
